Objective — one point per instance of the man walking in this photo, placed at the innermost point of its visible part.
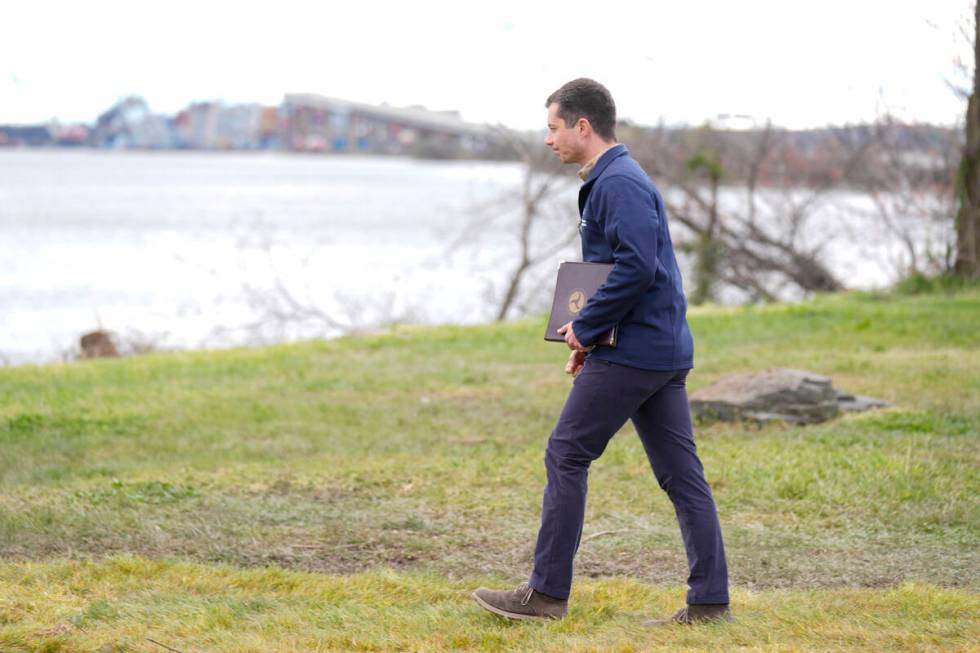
(642, 378)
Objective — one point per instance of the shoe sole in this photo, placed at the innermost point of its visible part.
(509, 615)
(693, 622)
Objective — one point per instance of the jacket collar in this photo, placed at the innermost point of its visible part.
(607, 157)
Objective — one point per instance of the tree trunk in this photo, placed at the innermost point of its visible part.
(968, 186)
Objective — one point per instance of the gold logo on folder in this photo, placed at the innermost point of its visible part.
(576, 301)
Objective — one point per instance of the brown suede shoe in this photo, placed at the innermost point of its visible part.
(523, 602)
(692, 614)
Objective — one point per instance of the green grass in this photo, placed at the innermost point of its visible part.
(347, 494)
(119, 604)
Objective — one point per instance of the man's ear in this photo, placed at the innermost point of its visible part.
(583, 127)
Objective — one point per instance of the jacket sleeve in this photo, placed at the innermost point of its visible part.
(631, 224)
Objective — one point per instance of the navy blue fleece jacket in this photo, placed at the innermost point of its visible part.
(624, 222)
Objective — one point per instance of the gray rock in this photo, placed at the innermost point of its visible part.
(777, 394)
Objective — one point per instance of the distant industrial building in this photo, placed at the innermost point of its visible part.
(218, 126)
(130, 124)
(314, 123)
(29, 135)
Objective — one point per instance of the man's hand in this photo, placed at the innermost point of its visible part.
(576, 361)
(570, 339)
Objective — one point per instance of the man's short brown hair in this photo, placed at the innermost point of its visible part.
(586, 98)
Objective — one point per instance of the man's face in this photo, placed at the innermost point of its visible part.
(564, 140)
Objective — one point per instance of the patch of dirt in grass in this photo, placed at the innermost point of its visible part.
(759, 570)
(349, 528)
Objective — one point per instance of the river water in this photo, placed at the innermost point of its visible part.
(193, 249)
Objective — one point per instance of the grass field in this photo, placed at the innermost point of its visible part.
(347, 495)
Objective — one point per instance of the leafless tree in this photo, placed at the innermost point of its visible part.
(542, 217)
(751, 236)
(278, 307)
(968, 180)
(285, 306)
(910, 185)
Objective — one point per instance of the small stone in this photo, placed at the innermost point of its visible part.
(858, 403)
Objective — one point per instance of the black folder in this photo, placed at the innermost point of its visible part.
(576, 283)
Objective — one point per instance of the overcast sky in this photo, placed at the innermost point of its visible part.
(797, 63)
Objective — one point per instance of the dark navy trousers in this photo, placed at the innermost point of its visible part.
(605, 395)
